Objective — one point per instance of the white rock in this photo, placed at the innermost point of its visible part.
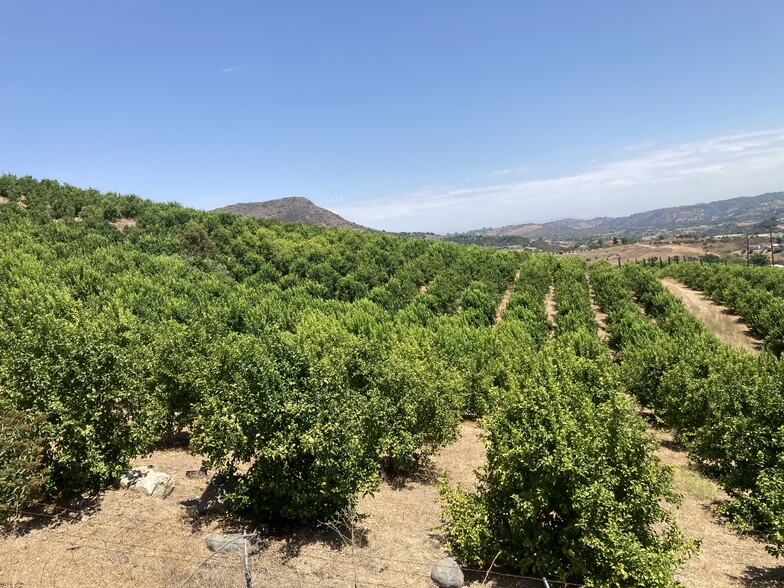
(447, 573)
(226, 543)
(149, 482)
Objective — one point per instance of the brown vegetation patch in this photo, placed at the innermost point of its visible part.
(123, 223)
(721, 322)
(3, 200)
(682, 249)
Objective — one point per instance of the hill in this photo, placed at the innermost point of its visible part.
(722, 216)
(294, 210)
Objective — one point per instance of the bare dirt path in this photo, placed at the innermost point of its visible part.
(721, 322)
(601, 317)
(726, 558)
(549, 305)
(499, 313)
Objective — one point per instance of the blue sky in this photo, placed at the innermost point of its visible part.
(401, 115)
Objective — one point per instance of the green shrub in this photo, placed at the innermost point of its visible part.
(78, 374)
(724, 404)
(23, 475)
(284, 408)
(416, 400)
(571, 489)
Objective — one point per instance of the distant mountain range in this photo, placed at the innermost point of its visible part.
(294, 210)
(735, 215)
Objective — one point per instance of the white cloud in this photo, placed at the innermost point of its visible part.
(503, 172)
(235, 69)
(741, 164)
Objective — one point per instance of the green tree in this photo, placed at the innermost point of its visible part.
(196, 241)
(571, 488)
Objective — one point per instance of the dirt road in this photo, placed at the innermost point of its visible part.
(721, 322)
(499, 313)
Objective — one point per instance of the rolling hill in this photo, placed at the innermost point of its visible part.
(294, 209)
(721, 216)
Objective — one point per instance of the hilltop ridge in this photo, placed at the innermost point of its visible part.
(731, 215)
(293, 209)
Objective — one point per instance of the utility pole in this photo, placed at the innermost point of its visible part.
(747, 249)
(772, 258)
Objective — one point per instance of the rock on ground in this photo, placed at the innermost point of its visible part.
(447, 574)
(147, 481)
(229, 542)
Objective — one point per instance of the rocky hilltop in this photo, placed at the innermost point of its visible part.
(294, 210)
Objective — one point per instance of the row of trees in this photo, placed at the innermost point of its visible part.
(571, 488)
(307, 356)
(756, 294)
(303, 361)
(724, 404)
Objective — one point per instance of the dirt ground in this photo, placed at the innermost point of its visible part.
(549, 305)
(726, 558)
(639, 251)
(721, 322)
(122, 223)
(499, 313)
(128, 539)
(601, 317)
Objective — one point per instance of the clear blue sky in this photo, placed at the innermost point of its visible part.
(402, 115)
